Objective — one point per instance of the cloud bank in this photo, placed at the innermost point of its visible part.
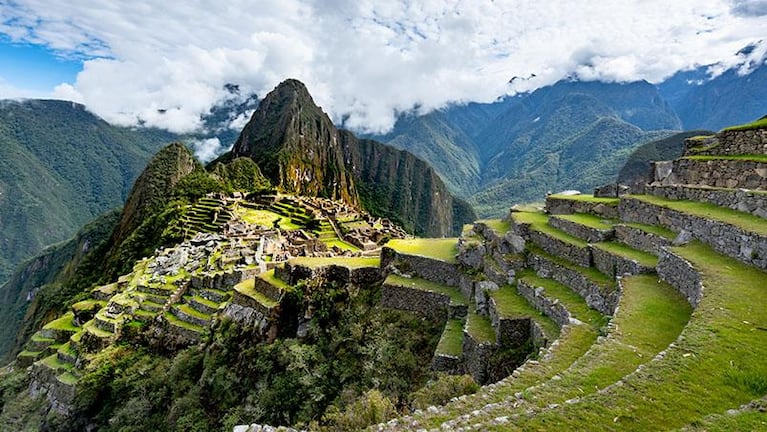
(165, 63)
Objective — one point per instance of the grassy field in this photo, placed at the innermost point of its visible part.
(443, 249)
(348, 262)
(422, 284)
(451, 342)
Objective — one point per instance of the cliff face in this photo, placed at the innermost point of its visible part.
(297, 147)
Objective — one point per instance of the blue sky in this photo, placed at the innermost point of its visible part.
(35, 68)
(166, 63)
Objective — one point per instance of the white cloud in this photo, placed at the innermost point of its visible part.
(165, 63)
(207, 149)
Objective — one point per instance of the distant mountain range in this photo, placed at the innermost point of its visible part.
(571, 134)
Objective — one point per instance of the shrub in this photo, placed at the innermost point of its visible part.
(442, 389)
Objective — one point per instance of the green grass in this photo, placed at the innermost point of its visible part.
(717, 363)
(63, 323)
(653, 229)
(274, 280)
(90, 327)
(510, 304)
(759, 124)
(67, 349)
(480, 328)
(443, 249)
(620, 249)
(588, 220)
(743, 220)
(247, 288)
(33, 354)
(39, 339)
(451, 342)
(53, 362)
(500, 226)
(88, 305)
(650, 317)
(750, 419)
(267, 218)
(586, 198)
(422, 284)
(348, 262)
(540, 222)
(188, 310)
(741, 157)
(341, 244)
(206, 302)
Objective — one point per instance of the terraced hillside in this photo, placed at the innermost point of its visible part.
(657, 300)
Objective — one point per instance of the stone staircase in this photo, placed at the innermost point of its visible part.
(658, 298)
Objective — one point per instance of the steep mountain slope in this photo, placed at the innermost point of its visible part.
(300, 151)
(728, 99)
(61, 166)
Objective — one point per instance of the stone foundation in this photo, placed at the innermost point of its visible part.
(476, 357)
(616, 265)
(552, 308)
(569, 206)
(730, 143)
(575, 254)
(446, 363)
(426, 268)
(585, 233)
(721, 173)
(425, 303)
(639, 239)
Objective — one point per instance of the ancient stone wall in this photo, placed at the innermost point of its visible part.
(425, 303)
(727, 239)
(589, 234)
(570, 206)
(550, 307)
(729, 143)
(639, 239)
(742, 200)
(605, 300)
(476, 356)
(722, 173)
(681, 274)
(615, 265)
(423, 267)
(446, 363)
(576, 254)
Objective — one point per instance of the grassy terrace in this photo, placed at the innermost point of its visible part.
(173, 320)
(500, 226)
(67, 378)
(341, 244)
(752, 419)
(91, 327)
(451, 342)
(274, 280)
(480, 328)
(620, 249)
(63, 323)
(742, 157)
(591, 273)
(422, 284)
(53, 362)
(247, 288)
(653, 229)
(650, 317)
(443, 249)
(88, 305)
(510, 304)
(759, 124)
(716, 364)
(348, 262)
(206, 302)
(746, 221)
(267, 218)
(540, 222)
(588, 220)
(586, 198)
(574, 303)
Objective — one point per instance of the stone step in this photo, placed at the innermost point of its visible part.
(732, 172)
(158, 290)
(26, 358)
(517, 322)
(246, 295)
(105, 323)
(60, 329)
(736, 234)
(729, 142)
(75, 340)
(189, 315)
(145, 316)
(586, 227)
(104, 292)
(686, 380)
(617, 259)
(599, 290)
(534, 226)
(647, 238)
(571, 204)
(94, 338)
(747, 201)
(479, 344)
(39, 343)
(556, 300)
(66, 354)
(270, 285)
(202, 305)
(151, 306)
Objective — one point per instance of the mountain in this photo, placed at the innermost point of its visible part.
(571, 134)
(61, 166)
(730, 98)
(300, 151)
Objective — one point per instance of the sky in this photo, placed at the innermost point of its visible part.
(166, 63)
